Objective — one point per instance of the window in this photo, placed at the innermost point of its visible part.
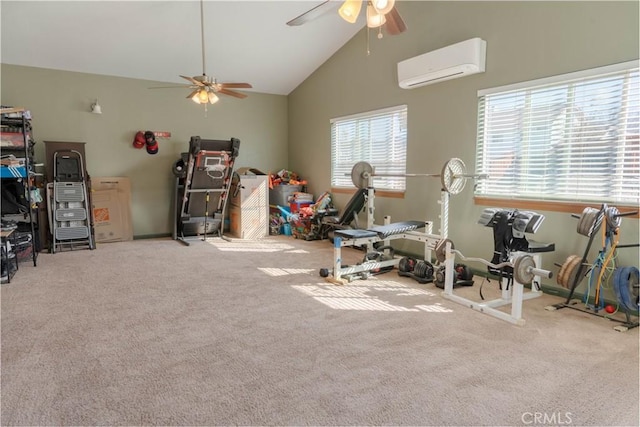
(376, 137)
(572, 138)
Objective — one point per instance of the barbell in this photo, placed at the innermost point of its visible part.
(453, 175)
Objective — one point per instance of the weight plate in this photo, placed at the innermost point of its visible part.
(441, 249)
(568, 271)
(521, 268)
(453, 177)
(560, 277)
(581, 221)
(613, 220)
(360, 174)
(587, 221)
(563, 275)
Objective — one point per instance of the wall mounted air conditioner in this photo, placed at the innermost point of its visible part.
(450, 62)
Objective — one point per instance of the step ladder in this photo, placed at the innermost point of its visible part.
(69, 207)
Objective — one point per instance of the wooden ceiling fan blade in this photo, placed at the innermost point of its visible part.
(395, 24)
(192, 80)
(171, 87)
(232, 93)
(235, 85)
(315, 12)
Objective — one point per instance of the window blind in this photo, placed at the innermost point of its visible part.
(571, 138)
(376, 137)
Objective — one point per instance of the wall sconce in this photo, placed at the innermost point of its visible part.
(95, 108)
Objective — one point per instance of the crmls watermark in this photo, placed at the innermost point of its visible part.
(547, 418)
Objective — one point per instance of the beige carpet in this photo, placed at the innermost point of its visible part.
(151, 332)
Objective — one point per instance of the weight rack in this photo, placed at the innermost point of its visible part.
(590, 222)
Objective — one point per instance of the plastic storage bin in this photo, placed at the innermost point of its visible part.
(279, 195)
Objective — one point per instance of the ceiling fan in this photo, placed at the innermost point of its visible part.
(205, 89)
(380, 14)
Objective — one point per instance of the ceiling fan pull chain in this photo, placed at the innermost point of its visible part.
(368, 50)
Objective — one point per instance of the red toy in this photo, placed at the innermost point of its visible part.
(609, 309)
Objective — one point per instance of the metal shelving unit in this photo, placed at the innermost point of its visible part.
(16, 140)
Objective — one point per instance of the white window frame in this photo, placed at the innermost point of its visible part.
(378, 137)
(513, 142)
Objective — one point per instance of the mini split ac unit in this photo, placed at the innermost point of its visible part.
(450, 62)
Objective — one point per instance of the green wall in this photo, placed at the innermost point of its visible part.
(60, 105)
(525, 41)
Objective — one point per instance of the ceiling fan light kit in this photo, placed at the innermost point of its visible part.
(203, 96)
(381, 14)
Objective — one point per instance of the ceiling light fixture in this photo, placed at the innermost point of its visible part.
(381, 14)
(374, 18)
(204, 96)
(350, 10)
(205, 89)
(376, 11)
(383, 6)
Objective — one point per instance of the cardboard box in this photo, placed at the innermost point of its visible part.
(251, 191)
(111, 200)
(249, 223)
(108, 223)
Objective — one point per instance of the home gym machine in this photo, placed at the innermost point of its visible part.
(624, 280)
(453, 178)
(516, 261)
(202, 183)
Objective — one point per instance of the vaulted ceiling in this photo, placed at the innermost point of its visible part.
(246, 41)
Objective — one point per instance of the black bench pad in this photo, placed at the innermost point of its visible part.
(537, 247)
(355, 233)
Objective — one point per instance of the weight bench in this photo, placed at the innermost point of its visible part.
(349, 215)
(375, 234)
(381, 231)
